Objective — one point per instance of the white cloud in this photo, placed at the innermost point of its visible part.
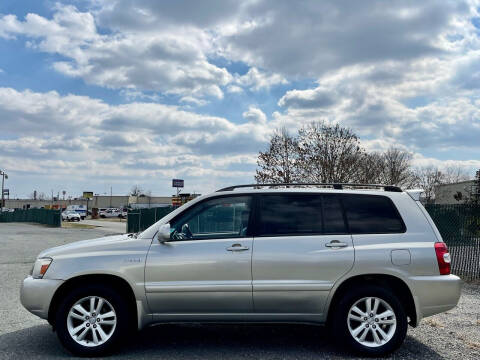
(77, 136)
(405, 73)
(312, 98)
(258, 80)
(234, 89)
(164, 61)
(315, 37)
(255, 115)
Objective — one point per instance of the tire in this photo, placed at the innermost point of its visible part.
(394, 327)
(114, 327)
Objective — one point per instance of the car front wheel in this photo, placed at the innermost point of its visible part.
(92, 320)
(370, 320)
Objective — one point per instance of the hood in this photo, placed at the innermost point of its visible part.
(107, 242)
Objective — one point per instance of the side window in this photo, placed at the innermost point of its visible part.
(333, 220)
(372, 214)
(290, 214)
(224, 217)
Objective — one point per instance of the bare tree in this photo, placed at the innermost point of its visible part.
(136, 190)
(371, 168)
(329, 153)
(279, 164)
(474, 193)
(428, 178)
(397, 168)
(454, 174)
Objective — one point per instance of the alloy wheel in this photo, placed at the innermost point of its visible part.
(371, 321)
(91, 321)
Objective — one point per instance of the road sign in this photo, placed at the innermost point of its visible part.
(178, 183)
(6, 192)
(88, 195)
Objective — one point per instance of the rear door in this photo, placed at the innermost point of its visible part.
(301, 247)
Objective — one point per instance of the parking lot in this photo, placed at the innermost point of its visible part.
(455, 334)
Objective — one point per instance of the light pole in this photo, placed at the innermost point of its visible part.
(4, 176)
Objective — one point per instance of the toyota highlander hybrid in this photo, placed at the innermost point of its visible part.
(365, 260)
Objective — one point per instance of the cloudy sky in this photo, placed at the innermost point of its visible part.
(96, 93)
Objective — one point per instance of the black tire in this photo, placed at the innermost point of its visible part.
(340, 320)
(122, 327)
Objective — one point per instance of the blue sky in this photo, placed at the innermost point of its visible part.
(121, 93)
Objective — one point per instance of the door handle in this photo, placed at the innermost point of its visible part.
(336, 244)
(237, 247)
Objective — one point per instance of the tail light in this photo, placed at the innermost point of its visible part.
(443, 258)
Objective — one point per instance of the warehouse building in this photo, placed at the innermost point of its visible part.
(100, 201)
(454, 193)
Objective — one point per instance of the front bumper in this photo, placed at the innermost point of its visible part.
(435, 294)
(36, 295)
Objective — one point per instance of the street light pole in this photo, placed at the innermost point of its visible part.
(4, 175)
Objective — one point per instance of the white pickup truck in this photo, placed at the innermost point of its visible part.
(108, 213)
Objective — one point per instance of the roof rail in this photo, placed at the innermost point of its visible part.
(336, 186)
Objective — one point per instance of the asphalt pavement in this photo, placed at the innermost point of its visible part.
(110, 227)
(455, 334)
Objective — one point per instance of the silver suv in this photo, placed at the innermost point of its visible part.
(364, 260)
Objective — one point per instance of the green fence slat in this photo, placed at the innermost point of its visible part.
(141, 219)
(41, 216)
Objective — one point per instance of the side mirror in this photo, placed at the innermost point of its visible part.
(163, 234)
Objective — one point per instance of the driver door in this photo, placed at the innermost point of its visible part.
(206, 266)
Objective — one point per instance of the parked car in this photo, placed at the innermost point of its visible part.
(366, 262)
(123, 214)
(80, 209)
(108, 213)
(71, 215)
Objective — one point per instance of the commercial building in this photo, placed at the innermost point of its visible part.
(100, 201)
(455, 193)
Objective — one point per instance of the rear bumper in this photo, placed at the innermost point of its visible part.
(435, 294)
(36, 295)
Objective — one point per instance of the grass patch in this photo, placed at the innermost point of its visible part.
(112, 219)
(72, 225)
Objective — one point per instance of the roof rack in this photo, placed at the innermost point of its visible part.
(336, 186)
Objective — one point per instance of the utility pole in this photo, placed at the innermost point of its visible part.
(110, 196)
(4, 176)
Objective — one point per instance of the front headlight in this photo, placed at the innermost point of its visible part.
(41, 267)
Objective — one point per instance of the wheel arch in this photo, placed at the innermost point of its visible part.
(397, 285)
(112, 281)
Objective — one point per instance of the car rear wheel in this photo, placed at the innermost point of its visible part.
(370, 320)
(92, 320)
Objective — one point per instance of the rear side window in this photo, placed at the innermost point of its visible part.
(299, 214)
(372, 214)
(333, 222)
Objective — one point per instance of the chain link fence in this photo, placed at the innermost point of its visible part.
(41, 216)
(459, 225)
